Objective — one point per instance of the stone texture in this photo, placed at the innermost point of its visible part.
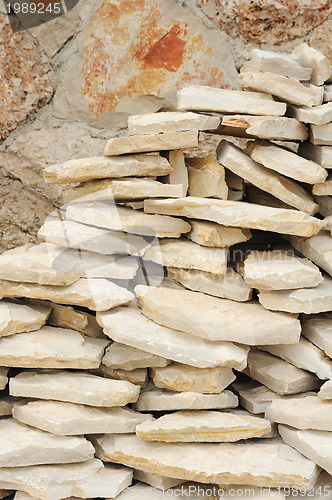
(214, 235)
(317, 248)
(206, 178)
(216, 319)
(318, 115)
(314, 59)
(323, 188)
(320, 39)
(179, 175)
(253, 463)
(18, 318)
(321, 134)
(318, 329)
(168, 121)
(82, 388)
(156, 480)
(326, 390)
(6, 405)
(325, 205)
(279, 62)
(129, 358)
(191, 490)
(139, 376)
(3, 377)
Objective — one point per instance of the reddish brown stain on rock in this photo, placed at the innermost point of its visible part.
(167, 52)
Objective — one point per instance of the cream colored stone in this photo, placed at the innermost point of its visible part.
(318, 115)
(323, 188)
(170, 121)
(259, 197)
(179, 175)
(82, 388)
(286, 89)
(206, 178)
(326, 390)
(318, 248)
(264, 127)
(327, 93)
(314, 59)
(216, 319)
(203, 427)
(128, 358)
(99, 167)
(3, 377)
(68, 419)
(278, 270)
(278, 375)
(256, 463)
(315, 445)
(303, 300)
(117, 218)
(281, 63)
(20, 495)
(188, 255)
(156, 480)
(211, 234)
(51, 348)
(282, 188)
(288, 163)
(319, 154)
(202, 98)
(18, 318)
(129, 326)
(318, 329)
(139, 376)
(6, 405)
(328, 223)
(238, 214)
(141, 143)
(96, 294)
(321, 134)
(230, 286)
(325, 205)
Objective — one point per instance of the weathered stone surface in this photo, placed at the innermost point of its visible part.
(156, 480)
(323, 188)
(238, 214)
(139, 376)
(278, 270)
(317, 248)
(325, 205)
(129, 326)
(281, 63)
(202, 98)
(178, 377)
(216, 319)
(82, 388)
(321, 134)
(129, 358)
(254, 463)
(314, 59)
(6, 405)
(206, 178)
(326, 390)
(18, 318)
(230, 286)
(264, 127)
(318, 115)
(327, 93)
(24, 446)
(320, 39)
(214, 235)
(3, 377)
(319, 154)
(179, 175)
(168, 121)
(278, 375)
(318, 329)
(68, 419)
(305, 300)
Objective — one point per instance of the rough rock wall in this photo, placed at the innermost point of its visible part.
(69, 84)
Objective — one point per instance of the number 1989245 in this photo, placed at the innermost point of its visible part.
(34, 8)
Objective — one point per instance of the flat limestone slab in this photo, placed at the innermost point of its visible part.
(319, 154)
(186, 254)
(141, 143)
(23, 446)
(99, 167)
(318, 330)
(206, 178)
(277, 270)
(109, 216)
(238, 214)
(139, 376)
(278, 375)
(315, 445)
(216, 319)
(318, 248)
(51, 347)
(325, 205)
(264, 127)
(326, 390)
(95, 294)
(129, 326)
(229, 286)
(303, 300)
(82, 388)
(318, 115)
(163, 400)
(211, 234)
(179, 377)
(179, 174)
(170, 121)
(18, 318)
(314, 59)
(323, 188)
(306, 413)
(281, 63)
(287, 89)
(68, 419)
(288, 163)
(321, 134)
(203, 427)
(125, 357)
(264, 463)
(266, 179)
(202, 98)
(156, 480)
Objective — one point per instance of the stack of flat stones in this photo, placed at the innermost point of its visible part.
(172, 331)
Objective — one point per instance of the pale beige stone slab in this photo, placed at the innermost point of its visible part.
(315, 445)
(238, 214)
(328, 223)
(68, 419)
(326, 390)
(82, 388)
(211, 234)
(230, 286)
(156, 480)
(170, 121)
(288, 163)
(99, 167)
(318, 248)
(23, 446)
(125, 357)
(117, 218)
(18, 318)
(319, 154)
(203, 427)
(202, 98)
(186, 254)
(216, 319)
(318, 329)
(318, 115)
(95, 294)
(278, 270)
(321, 134)
(267, 463)
(281, 63)
(303, 300)
(323, 188)
(278, 375)
(327, 93)
(264, 127)
(206, 178)
(129, 326)
(325, 205)
(286, 89)
(139, 376)
(51, 348)
(3, 377)
(314, 59)
(141, 143)
(282, 188)
(179, 175)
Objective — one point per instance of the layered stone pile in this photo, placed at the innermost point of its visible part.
(172, 330)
